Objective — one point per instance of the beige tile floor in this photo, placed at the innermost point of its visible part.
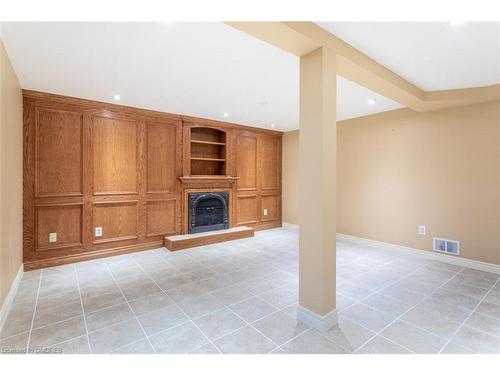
(241, 297)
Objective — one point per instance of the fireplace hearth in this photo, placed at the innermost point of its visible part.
(208, 211)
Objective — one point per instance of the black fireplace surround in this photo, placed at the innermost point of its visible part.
(208, 211)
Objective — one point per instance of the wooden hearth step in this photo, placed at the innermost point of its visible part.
(184, 241)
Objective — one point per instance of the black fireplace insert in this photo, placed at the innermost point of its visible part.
(208, 211)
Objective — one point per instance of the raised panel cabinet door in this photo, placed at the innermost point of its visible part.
(161, 158)
(269, 154)
(118, 221)
(247, 209)
(161, 217)
(114, 147)
(246, 165)
(58, 153)
(58, 226)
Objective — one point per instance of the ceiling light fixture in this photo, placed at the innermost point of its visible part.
(225, 114)
(116, 97)
(272, 125)
(372, 101)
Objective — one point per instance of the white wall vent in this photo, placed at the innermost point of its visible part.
(446, 246)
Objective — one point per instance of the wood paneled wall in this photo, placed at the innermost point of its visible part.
(89, 164)
(258, 164)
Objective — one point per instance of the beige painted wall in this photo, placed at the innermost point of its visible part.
(11, 172)
(401, 168)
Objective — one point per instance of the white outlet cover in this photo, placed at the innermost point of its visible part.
(265, 211)
(98, 231)
(53, 237)
(422, 230)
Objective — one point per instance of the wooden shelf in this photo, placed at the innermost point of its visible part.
(208, 142)
(208, 178)
(207, 159)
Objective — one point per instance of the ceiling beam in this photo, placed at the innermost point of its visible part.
(300, 38)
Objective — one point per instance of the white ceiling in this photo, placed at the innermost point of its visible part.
(199, 69)
(353, 100)
(431, 55)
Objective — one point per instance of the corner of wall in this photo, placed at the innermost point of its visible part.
(11, 170)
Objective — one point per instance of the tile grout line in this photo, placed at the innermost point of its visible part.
(296, 336)
(34, 312)
(51, 324)
(128, 304)
(177, 305)
(204, 266)
(130, 343)
(264, 317)
(379, 332)
(164, 292)
(219, 274)
(225, 307)
(479, 329)
(468, 316)
(65, 341)
(368, 296)
(83, 309)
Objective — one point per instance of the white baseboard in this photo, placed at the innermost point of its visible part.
(7, 304)
(320, 322)
(451, 259)
(290, 226)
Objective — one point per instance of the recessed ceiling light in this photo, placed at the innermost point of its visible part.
(225, 114)
(456, 23)
(372, 101)
(116, 97)
(272, 125)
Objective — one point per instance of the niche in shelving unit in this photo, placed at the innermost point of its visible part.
(208, 152)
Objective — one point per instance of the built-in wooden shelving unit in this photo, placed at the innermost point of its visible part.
(208, 152)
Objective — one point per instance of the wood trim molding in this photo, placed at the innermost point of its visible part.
(177, 118)
(89, 255)
(96, 105)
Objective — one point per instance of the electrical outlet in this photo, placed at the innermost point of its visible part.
(265, 211)
(52, 237)
(422, 230)
(98, 231)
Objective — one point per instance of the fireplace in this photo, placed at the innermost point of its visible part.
(208, 211)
